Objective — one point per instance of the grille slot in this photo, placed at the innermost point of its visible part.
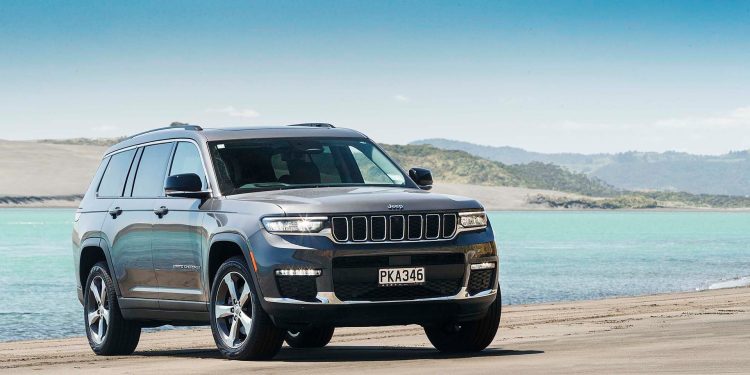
(378, 228)
(480, 280)
(449, 225)
(398, 226)
(432, 226)
(359, 228)
(415, 227)
(340, 229)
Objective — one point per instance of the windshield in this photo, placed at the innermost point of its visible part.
(249, 165)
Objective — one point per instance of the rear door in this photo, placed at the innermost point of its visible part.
(133, 227)
(178, 241)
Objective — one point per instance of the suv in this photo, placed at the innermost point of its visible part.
(277, 234)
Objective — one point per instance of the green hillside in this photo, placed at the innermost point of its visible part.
(461, 167)
(453, 166)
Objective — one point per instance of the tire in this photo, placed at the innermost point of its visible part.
(309, 338)
(241, 329)
(466, 337)
(107, 331)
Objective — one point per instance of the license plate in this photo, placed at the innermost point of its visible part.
(401, 276)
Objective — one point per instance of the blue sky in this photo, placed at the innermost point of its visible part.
(584, 76)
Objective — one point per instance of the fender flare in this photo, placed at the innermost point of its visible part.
(240, 241)
(102, 244)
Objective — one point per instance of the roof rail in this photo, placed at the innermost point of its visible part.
(174, 125)
(315, 125)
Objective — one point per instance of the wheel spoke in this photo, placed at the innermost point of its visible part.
(95, 292)
(233, 332)
(222, 311)
(103, 295)
(105, 315)
(100, 331)
(245, 295)
(93, 317)
(247, 322)
(230, 286)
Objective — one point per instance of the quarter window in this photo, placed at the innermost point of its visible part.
(152, 169)
(113, 181)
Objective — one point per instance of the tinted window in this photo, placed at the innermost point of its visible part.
(152, 169)
(252, 165)
(187, 159)
(114, 177)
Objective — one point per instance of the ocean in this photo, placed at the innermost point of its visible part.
(544, 257)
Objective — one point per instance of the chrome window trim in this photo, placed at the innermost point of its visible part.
(439, 226)
(366, 229)
(385, 228)
(421, 228)
(403, 227)
(210, 178)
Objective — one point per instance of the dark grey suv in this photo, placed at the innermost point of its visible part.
(277, 234)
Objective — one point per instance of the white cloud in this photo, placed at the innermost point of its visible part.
(402, 98)
(236, 112)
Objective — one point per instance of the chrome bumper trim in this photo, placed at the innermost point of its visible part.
(329, 298)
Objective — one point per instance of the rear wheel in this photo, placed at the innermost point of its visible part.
(107, 331)
(309, 338)
(241, 329)
(466, 336)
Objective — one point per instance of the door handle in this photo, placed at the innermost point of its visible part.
(161, 211)
(115, 212)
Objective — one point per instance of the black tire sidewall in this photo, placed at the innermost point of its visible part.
(106, 346)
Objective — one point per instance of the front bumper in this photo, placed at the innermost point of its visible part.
(323, 306)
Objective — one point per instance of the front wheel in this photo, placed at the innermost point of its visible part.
(468, 336)
(107, 331)
(241, 329)
(309, 338)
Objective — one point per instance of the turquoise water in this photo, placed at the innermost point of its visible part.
(545, 256)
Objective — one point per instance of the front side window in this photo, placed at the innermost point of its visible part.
(152, 169)
(187, 159)
(113, 181)
(268, 164)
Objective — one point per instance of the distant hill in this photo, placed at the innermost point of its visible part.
(461, 167)
(727, 174)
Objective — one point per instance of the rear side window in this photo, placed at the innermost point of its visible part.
(187, 159)
(152, 169)
(113, 181)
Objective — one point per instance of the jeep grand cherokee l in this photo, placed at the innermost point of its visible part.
(277, 234)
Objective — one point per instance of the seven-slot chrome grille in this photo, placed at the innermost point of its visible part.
(394, 227)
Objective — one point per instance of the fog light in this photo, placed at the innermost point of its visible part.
(483, 266)
(298, 272)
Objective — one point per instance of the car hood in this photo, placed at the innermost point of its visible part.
(358, 200)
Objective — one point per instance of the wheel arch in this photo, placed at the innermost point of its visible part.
(222, 247)
(94, 250)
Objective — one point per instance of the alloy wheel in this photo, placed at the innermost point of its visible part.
(233, 310)
(97, 309)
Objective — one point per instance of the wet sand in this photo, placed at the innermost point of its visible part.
(699, 332)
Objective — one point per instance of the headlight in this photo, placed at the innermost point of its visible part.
(294, 224)
(473, 220)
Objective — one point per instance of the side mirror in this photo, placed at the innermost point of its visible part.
(187, 185)
(423, 177)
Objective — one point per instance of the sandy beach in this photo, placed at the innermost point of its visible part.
(698, 332)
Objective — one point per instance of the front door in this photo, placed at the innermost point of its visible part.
(178, 240)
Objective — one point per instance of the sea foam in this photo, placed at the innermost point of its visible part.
(733, 283)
